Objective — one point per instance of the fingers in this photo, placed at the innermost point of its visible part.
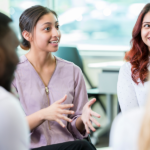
(60, 122)
(95, 114)
(92, 101)
(64, 118)
(90, 126)
(95, 121)
(65, 106)
(87, 129)
(62, 100)
(66, 112)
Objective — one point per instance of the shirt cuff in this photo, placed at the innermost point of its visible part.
(76, 132)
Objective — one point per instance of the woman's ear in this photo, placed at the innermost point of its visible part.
(27, 35)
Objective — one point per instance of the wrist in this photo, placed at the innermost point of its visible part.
(42, 114)
(79, 124)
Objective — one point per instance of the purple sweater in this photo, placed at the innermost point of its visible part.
(67, 79)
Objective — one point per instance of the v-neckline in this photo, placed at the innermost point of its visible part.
(38, 73)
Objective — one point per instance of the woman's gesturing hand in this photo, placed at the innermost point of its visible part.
(55, 111)
(87, 114)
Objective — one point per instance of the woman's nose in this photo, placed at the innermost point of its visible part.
(55, 32)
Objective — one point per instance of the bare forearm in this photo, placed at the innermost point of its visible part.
(80, 125)
(35, 119)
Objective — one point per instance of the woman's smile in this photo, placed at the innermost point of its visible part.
(54, 42)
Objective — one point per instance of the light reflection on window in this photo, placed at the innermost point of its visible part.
(100, 22)
(18, 6)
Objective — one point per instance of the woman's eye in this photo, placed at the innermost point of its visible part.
(47, 29)
(147, 25)
(57, 26)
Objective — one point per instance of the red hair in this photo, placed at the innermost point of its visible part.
(138, 56)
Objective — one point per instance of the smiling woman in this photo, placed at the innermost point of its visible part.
(27, 26)
(133, 74)
(146, 29)
(46, 27)
(128, 133)
(42, 82)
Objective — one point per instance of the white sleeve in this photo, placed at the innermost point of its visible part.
(14, 131)
(125, 130)
(119, 139)
(125, 89)
(118, 136)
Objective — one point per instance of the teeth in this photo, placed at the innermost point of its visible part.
(54, 42)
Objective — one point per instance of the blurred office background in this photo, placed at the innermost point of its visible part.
(101, 31)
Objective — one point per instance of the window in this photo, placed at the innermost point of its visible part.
(100, 22)
(94, 22)
(18, 6)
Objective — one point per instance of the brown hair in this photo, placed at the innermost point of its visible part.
(28, 20)
(138, 56)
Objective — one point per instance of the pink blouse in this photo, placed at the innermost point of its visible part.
(33, 95)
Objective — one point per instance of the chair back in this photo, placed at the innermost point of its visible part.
(70, 54)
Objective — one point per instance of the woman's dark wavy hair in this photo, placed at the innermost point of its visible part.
(28, 20)
(138, 56)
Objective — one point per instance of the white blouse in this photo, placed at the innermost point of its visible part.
(14, 130)
(130, 95)
(125, 130)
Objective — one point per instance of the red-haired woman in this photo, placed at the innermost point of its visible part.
(131, 130)
(132, 82)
